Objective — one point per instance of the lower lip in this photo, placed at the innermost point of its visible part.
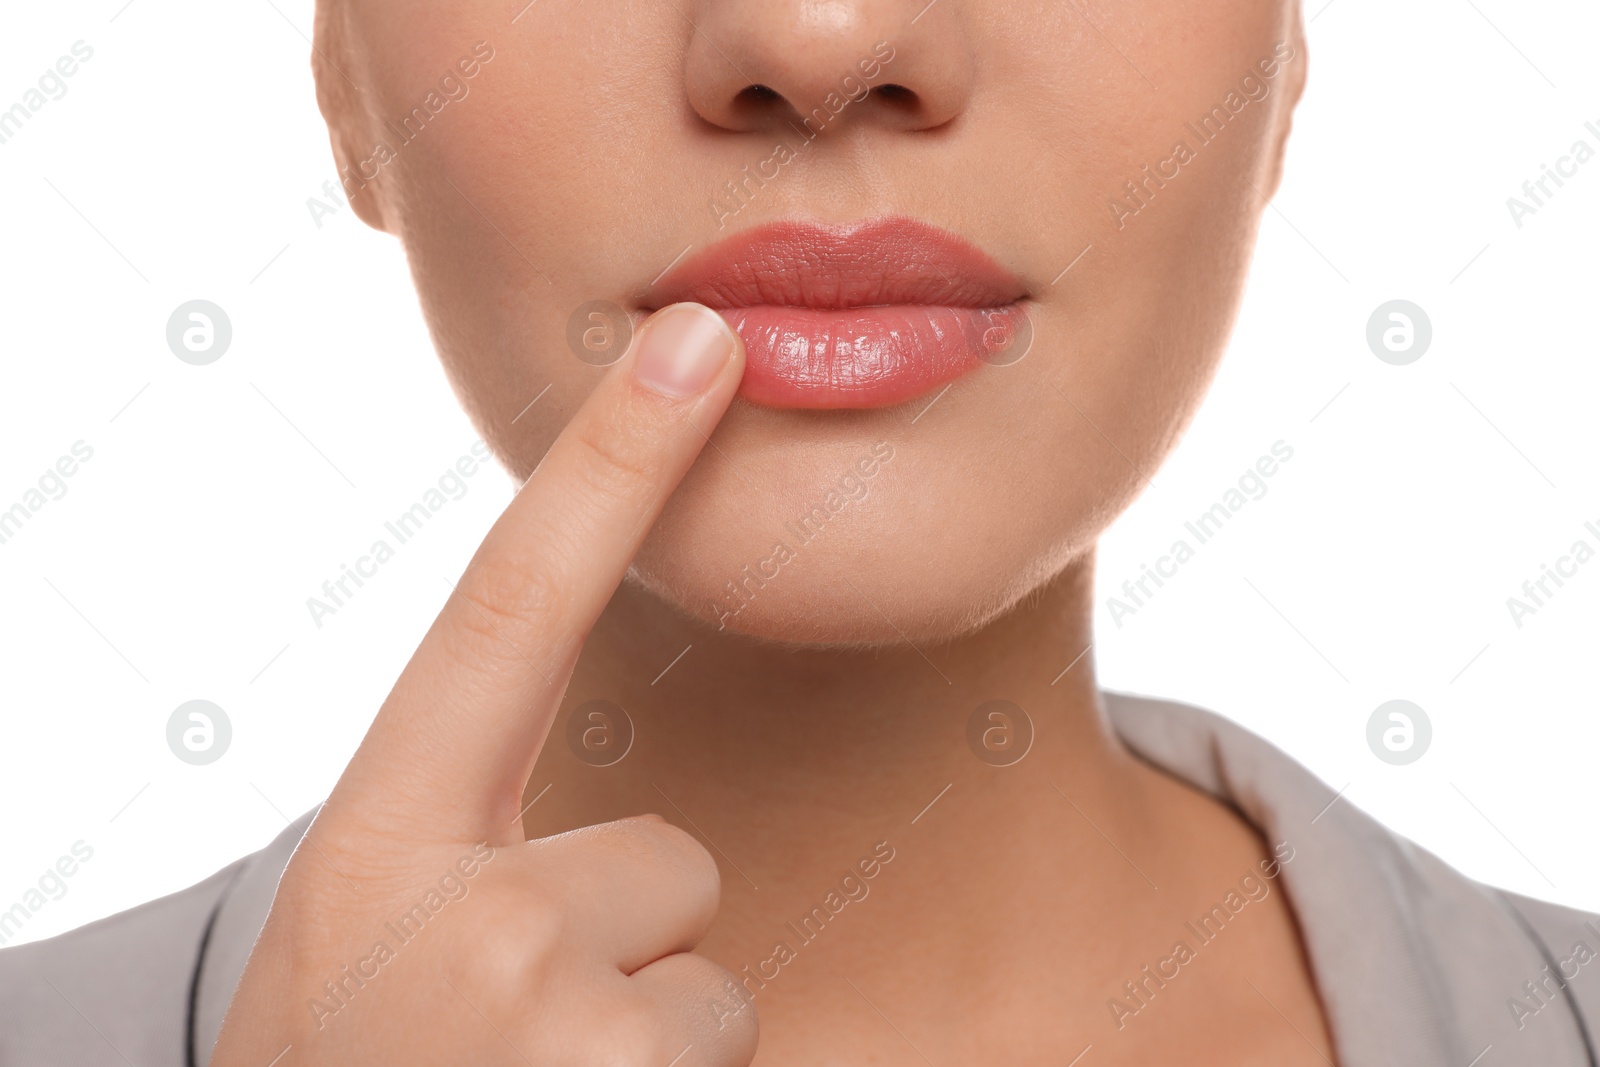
(866, 357)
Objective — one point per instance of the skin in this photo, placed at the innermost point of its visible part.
(823, 717)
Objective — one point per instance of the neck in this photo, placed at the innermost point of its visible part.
(743, 740)
(800, 768)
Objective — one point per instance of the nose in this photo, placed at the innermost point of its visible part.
(755, 65)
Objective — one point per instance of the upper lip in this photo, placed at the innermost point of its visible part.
(880, 262)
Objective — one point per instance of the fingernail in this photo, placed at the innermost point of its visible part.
(683, 348)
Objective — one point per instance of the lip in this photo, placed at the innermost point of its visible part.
(860, 316)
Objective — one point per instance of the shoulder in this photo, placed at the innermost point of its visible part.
(1415, 962)
(1571, 940)
(147, 986)
(114, 991)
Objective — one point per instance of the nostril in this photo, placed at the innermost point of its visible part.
(898, 99)
(756, 94)
(766, 67)
(753, 105)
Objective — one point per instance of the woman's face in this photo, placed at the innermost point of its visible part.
(548, 164)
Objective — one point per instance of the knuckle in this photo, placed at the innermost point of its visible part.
(693, 858)
(731, 1009)
(689, 856)
(516, 942)
(613, 464)
(658, 842)
(502, 602)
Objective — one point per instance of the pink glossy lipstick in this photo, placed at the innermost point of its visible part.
(852, 317)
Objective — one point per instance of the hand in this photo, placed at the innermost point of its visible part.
(414, 924)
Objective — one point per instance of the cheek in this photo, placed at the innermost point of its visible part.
(520, 210)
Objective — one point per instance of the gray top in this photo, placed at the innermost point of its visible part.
(1416, 964)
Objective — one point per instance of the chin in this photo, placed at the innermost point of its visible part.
(870, 576)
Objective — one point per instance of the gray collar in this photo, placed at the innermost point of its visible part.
(1415, 963)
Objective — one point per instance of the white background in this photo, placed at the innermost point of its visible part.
(218, 499)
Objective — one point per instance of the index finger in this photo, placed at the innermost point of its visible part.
(455, 742)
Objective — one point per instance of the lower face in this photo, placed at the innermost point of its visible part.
(974, 328)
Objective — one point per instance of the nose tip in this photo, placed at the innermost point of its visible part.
(758, 64)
